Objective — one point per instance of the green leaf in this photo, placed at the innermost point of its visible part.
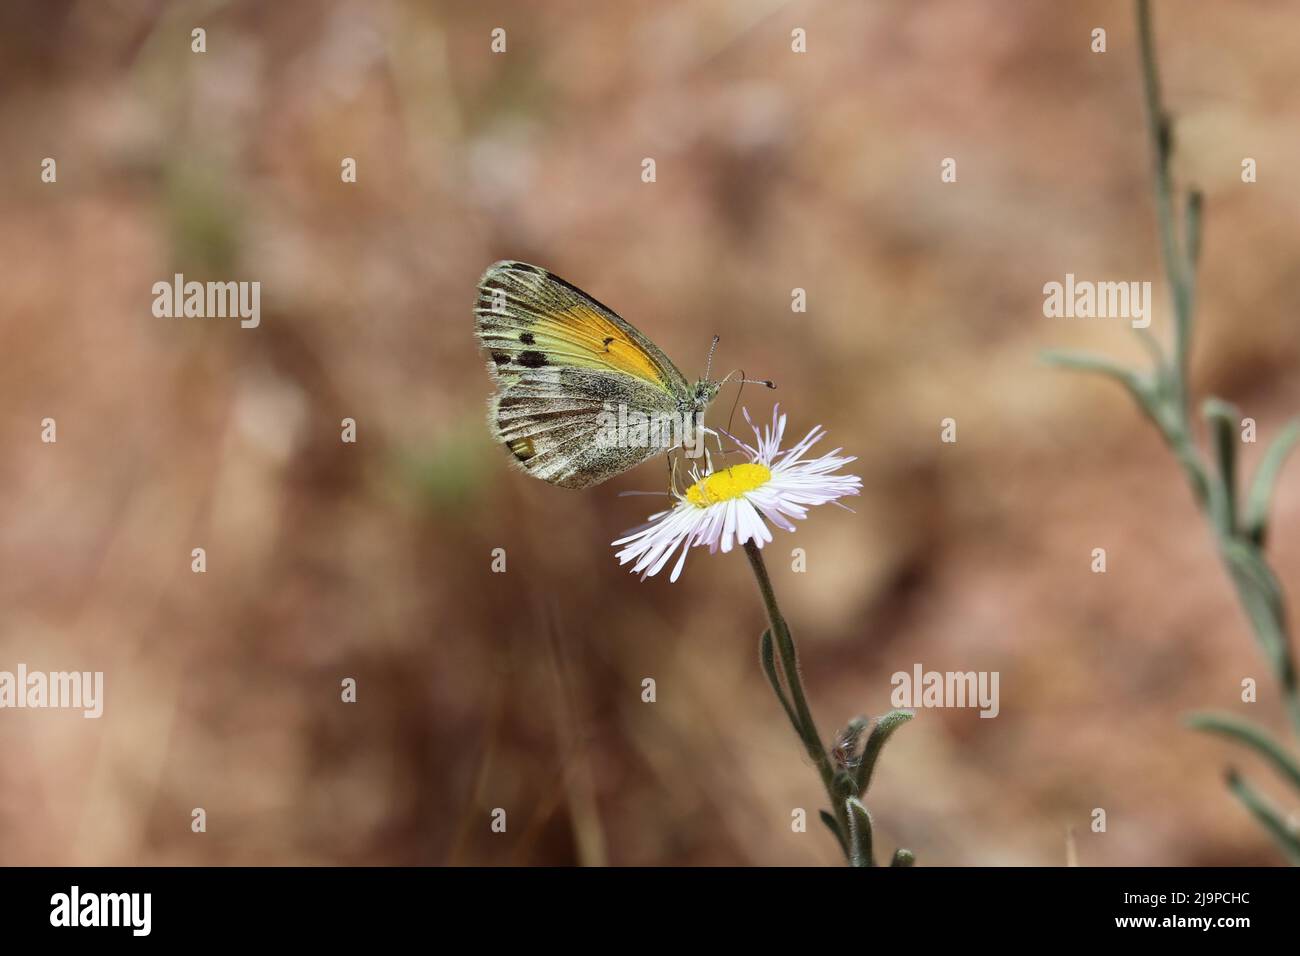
(801, 716)
(834, 827)
(1256, 738)
(1152, 345)
(1261, 489)
(1261, 596)
(1222, 419)
(767, 655)
(1138, 384)
(1264, 811)
(1192, 228)
(885, 727)
(1246, 559)
(903, 858)
(859, 833)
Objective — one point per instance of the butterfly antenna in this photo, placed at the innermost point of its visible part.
(766, 382)
(736, 404)
(708, 364)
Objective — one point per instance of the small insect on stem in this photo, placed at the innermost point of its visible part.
(844, 748)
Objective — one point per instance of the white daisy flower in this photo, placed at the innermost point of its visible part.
(736, 504)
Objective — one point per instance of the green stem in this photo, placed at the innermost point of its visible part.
(1160, 131)
(1180, 267)
(789, 658)
(1164, 397)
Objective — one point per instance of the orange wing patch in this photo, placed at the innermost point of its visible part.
(580, 329)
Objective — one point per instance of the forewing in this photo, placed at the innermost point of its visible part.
(529, 319)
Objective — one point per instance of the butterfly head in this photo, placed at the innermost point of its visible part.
(704, 392)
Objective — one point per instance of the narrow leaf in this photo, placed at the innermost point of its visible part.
(833, 825)
(1261, 489)
(1256, 738)
(1154, 395)
(1089, 362)
(1264, 811)
(1222, 419)
(802, 718)
(885, 727)
(1192, 228)
(859, 833)
(1261, 596)
(1152, 345)
(767, 656)
(903, 858)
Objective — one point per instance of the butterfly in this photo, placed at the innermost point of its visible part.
(567, 370)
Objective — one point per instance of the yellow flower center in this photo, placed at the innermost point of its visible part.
(725, 485)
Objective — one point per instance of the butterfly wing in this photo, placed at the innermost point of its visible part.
(562, 360)
(551, 422)
(528, 318)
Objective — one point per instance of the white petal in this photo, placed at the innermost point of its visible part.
(797, 484)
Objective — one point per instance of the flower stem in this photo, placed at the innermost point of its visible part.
(789, 658)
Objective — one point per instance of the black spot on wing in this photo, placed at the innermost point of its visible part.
(526, 338)
(501, 358)
(532, 359)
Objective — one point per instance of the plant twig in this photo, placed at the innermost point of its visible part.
(848, 818)
(1160, 130)
(790, 666)
(1164, 396)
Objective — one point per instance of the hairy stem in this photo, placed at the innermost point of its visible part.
(789, 659)
(1160, 131)
(1174, 420)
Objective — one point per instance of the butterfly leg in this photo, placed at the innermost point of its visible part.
(672, 473)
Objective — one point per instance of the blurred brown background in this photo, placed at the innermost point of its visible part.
(522, 690)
